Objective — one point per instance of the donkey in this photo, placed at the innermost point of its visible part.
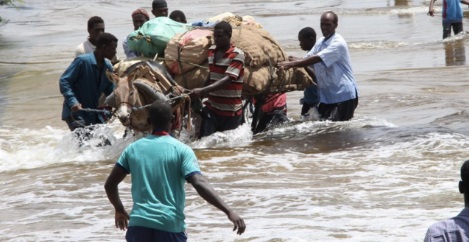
(138, 87)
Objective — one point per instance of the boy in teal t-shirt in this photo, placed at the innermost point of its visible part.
(159, 166)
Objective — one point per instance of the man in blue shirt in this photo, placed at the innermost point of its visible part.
(159, 166)
(452, 16)
(337, 90)
(455, 229)
(84, 81)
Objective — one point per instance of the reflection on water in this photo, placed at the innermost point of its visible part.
(455, 53)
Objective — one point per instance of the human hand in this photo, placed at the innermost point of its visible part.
(121, 220)
(76, 107)
(196, 92)
(238, 222)
(285, 65)
(431, 12)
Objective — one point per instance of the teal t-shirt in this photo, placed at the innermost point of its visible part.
(159, 166)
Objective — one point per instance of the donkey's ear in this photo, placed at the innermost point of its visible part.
(112, 76)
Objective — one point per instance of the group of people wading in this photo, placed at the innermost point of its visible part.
(159, 164)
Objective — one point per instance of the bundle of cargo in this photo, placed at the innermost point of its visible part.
(188, 50)
(151, 39)
(186, 56)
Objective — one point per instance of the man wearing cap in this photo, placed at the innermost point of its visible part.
(139, 17)
(457, 228)
(159, 8)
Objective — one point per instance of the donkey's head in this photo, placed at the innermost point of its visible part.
(125, 98)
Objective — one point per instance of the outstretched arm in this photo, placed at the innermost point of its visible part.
(300, 62)
(430, 8)
(200, 92)
(206, 191)
(112, 192)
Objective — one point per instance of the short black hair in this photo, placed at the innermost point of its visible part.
(94, 20)
(177, 14)
(225, 27)
(307, 32)
(159, 4)
(465, 172)
(160, 114)
(105, 39)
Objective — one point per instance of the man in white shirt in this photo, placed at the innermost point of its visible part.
(95, 28)
(337, 89)
(457, 228)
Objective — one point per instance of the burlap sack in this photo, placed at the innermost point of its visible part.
(256, 79)
(259, 47)
(266, 79)
(194, 78)
(185, 51)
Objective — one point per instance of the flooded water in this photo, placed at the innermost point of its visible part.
(386, 175)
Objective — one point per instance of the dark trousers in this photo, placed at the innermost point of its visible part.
(212, 122)
(143, 234)
(269, 120)
(457, 28)
(342, 111)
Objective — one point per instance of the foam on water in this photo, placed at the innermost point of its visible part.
(27, 149)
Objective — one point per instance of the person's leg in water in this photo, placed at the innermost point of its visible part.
(309, 100)
(446, 30)
(209, 123)
(457, 28)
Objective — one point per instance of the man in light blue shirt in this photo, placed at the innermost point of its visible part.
(337, 89)
(159, 166)
(455, 229)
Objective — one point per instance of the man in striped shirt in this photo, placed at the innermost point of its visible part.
(455, 229)
(223, 86)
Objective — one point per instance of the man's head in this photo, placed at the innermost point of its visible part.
(95, 28)
(139, 17)
(222, 34)
(464, 183)
(159, 8)
(160, 115)
(107, 45)
(178, 16)
(307, 38)
(329, 22)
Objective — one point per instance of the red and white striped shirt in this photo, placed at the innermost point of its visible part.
(226, 101)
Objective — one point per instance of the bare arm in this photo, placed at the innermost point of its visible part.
(206, 191)
(200, 92)
(300, 62)
(112, 191)
(465, 2)
(430, 8)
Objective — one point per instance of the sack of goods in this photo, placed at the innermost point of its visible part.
(186, 58)
(186, 51)
(151, 39)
